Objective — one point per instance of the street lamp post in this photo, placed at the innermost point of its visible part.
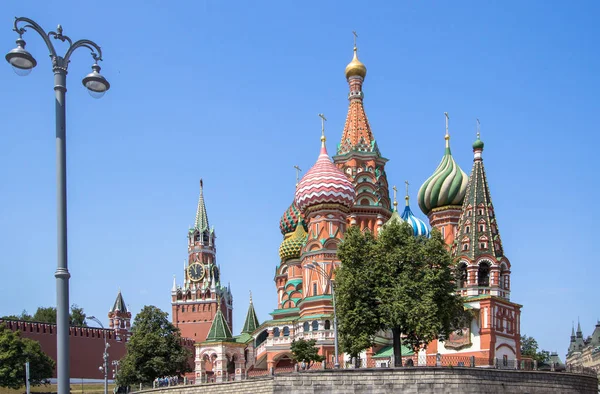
(319, 270)
(104, 367)
(23, 62)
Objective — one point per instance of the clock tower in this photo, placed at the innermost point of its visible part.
(195, 302)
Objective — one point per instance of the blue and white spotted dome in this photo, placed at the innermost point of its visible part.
(419, 226)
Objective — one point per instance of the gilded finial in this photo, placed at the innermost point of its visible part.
(323, 119)
(395, 201)
(447, 136)
(355, 67)
(406, 198)
(298, 170)
(251, 296)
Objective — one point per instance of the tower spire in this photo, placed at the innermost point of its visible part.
(447, 136)
(201, 223)
(323, 139)
(407, 197)
(395, 200)
(251, 323)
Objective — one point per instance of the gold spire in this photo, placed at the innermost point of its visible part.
(447, 137)
(323, 119)
(406, 198)
(395, 201)
(355, 67)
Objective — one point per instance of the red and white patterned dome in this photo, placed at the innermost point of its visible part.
(324, 183)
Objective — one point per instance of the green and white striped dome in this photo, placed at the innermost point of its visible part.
(447, 186)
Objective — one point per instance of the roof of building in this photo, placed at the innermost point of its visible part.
(446, 187)
(119, 304)
(357, 135)
(292, 244)
(219, 329)
(290, 219)
(251, 323)
(477, 225)
(324, 183)
(388, 351)
(418, 225)
(201, 222)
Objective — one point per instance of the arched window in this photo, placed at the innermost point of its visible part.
(261, 338)
(327, 325)
(483, 274)
(465, 246)
(286, 331)
(276, 332)
(183, 309)
(306, 326)
(315, 325)
(467, 229)
(462, 275)
(314, 289)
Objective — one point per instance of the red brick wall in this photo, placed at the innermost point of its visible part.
(86, 346)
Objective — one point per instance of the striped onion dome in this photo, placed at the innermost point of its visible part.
(419, 226)
(291, 246)
(324, 183)
(447, 185)
(290, 219)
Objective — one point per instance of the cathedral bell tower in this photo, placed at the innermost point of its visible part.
(195, 303)
(358, 157)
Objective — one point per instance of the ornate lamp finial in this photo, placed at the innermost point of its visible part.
(406, 198)
(323, 119)
(395, 201)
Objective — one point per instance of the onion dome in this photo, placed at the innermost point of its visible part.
(395, 216)
(293, 243)
(324, 183)
(290, 219)
(355, 67)
(419, 226)
(478, 144)
(447, 186)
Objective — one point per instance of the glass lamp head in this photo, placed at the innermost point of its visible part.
(95, 83)
(21, 61)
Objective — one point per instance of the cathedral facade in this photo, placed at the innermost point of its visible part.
(350, 188)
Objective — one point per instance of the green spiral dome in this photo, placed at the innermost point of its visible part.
(447, 185)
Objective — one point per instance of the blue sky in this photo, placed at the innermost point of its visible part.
(230, 92)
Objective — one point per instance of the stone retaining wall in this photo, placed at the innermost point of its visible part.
(404, 380)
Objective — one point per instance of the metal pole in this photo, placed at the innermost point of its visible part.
(105, 365)
(336, 365)
(62, 272)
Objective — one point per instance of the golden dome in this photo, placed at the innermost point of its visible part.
(355, 67)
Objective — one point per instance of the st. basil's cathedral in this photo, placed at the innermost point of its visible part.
(350, 189)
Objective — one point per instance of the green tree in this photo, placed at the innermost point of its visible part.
(305, 351)
(14, 353)
(412, 279)
(154, 349)
(356, 293)
(45, 315)
(77, 316)
(529, 348)
(48, 315)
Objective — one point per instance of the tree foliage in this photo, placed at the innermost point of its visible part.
(154, 349)
(529, 348)
(305, 351)
(14, 353)
(48, 315)
(355, 291)
(409, 285)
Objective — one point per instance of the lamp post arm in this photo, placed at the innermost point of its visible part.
(31, 24)
(91, 45)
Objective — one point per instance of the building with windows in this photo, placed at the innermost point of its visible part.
(350, 188)
(584, 352)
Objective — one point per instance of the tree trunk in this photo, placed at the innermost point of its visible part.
(396, 334)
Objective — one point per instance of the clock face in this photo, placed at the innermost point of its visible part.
(196, 272)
